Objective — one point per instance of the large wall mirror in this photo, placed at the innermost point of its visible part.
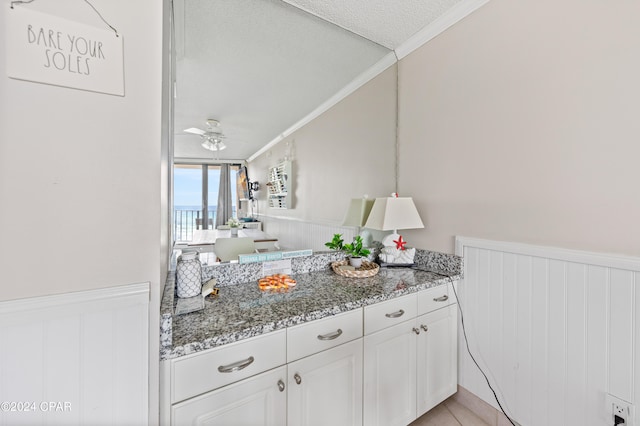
(257, 67)
(261, 67)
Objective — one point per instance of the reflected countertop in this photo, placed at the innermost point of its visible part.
(241, 310)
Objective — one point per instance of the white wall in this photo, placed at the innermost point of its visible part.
(80, 187)
(345, 153)
(520, 123)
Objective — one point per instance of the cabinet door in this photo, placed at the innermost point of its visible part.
(437, 357)
(326, 388)
(390, 376)
(258, 400)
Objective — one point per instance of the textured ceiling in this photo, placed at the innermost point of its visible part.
(260, 66)
(388, 23)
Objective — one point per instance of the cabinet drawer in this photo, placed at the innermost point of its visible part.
(316, 336)
(435, 298)
(257, 400)
(205, 371)
(391, 312)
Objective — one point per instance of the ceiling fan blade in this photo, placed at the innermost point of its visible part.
(195, 131)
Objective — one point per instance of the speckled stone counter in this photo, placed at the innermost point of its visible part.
(242, 310)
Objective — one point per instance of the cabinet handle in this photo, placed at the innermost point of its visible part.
(416, 330)
(297, 378)
(280, 385)
(330, 336)
(395, 314)
(441, 298)
(424, 327)
(236, 366)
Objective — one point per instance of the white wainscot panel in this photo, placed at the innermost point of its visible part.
(76, 359)
(298, 234)
(555, 330)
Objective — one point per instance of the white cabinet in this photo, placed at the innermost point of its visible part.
(258, 400)
(326, 388)
(316, 336)
(409, 366)
(321, 385)
(437, 366)
(196, 374)
(324, 372)
(390, 376)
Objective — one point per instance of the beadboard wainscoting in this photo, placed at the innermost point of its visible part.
(555, 330)
(299, 234)
(76, 359)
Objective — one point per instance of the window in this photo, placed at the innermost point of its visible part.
(195, 197)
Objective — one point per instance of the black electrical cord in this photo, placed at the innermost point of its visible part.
(464, 332)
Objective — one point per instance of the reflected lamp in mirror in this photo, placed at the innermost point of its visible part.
(390, 214)
(357, 216)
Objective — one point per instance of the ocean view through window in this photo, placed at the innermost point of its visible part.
(195, 194)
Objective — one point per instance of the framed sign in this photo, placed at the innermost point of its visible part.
(47, 49)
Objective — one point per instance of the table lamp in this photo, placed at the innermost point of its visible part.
(390, 214)
(357, 215)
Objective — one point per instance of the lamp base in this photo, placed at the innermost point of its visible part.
(367, 238)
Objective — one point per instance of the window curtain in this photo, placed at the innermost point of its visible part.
(223, 209)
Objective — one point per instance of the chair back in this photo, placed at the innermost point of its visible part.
(227, 249)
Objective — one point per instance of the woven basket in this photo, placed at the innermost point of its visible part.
(368, 269)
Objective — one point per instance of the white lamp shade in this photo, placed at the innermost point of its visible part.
(358, 212)
(391, 213)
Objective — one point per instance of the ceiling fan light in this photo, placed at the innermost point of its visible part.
(214, 145)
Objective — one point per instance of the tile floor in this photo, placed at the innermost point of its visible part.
(449, 413)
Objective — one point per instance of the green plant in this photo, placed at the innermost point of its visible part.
(336, 243)
(355, 248)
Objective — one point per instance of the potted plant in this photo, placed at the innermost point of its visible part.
(336, 243)
(354, 250)
(234, 224)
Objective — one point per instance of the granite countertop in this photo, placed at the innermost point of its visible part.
(241, 310)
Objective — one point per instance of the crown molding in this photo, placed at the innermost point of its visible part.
(438, 26)
(454, 15)
(388, 60)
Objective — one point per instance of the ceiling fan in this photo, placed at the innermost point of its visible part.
(212, 135)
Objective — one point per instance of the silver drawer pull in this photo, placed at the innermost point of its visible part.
(441, 299)
(280, 385)
(236, 366)
(395, 314)
(330, 336)
(297, 378)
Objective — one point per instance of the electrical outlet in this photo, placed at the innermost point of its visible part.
(619, 407)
